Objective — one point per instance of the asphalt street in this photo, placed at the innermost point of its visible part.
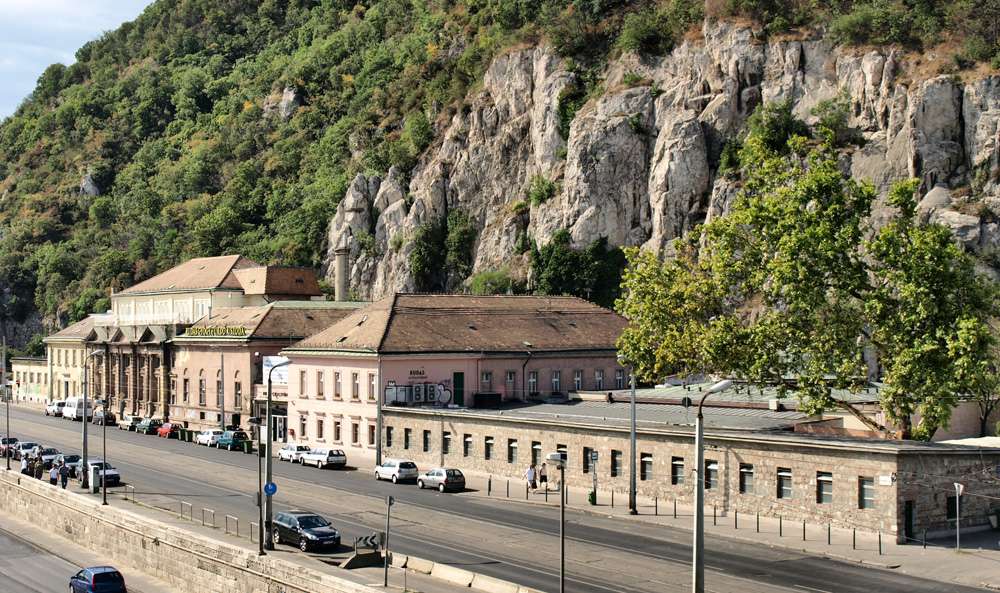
(516, 542)
(27, 569)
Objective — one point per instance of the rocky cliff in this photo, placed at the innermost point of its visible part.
(640, 162)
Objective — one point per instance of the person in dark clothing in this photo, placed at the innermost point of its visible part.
(64, 475)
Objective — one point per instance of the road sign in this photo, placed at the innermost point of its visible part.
(368, 541)
(593, 456)
(390, 501)
(270, 488)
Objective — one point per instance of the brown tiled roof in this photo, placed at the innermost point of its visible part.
(197, 274)
(278, 281)
(81, 330)
(461, 323)
(281, 319)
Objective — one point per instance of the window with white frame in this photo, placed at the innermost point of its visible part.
(577, 380)
(510, 380)
(599, 379)
(371, 387)
(355, 387)
(533, 382)
(320, 383)
(320, 433)
(619, 378)
(336, 384)
(302, 383)
(302, 426)
(556, 381)
(486, 381)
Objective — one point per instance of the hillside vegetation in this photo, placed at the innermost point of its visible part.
(168, 138)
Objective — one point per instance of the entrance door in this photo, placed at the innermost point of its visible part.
(908, 529)
(458, 383)
(280, 428)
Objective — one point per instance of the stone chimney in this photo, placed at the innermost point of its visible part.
(340, 273)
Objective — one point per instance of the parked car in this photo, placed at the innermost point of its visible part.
(148, 426)
(291, 452)
(324, 457)
(443, 479)
(128, 422)
(7, 445)
(396, 470)
(75, 410)
(70, 461)
(304, 529)
(97, 579)
(48, 455)
(105, 471)
(55, 408)
(208, 437)
(24, 449)
(99, 417)
(232, 439)
(170, 430)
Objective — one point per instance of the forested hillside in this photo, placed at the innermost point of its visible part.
(222, 126)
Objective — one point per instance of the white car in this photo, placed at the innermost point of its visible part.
(396, 470)
(55, 408)
(208, 437)
(104, 471)
(324, 457)
(292, 452)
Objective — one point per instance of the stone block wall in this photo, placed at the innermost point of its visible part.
(927, 482)
(187, 561)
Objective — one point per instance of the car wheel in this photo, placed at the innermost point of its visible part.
(420, 484)
(304, 544)
(229, 447)
(440, 487)
(394, 478)
(276, 537)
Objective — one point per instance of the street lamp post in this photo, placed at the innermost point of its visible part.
(5, 394)
(268, 460)
(559, 460)
(104, 430)
(698, 561)
(633, 509)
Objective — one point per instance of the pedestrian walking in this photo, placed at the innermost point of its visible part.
(24, 465)
(39, 470)
(543, 477)
(529, 475)
(54, 475)
(64, 474)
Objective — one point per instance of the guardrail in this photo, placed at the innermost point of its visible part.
(129, 488)
(236, 524)
(253, 531)
(210, 512)
(189, 507)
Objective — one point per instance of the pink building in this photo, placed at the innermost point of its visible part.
(445, 350)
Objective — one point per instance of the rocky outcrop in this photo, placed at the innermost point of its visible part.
(283, 105)
(89, 187)
(640, 164)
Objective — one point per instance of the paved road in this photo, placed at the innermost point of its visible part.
(511, 541)
(27, 569)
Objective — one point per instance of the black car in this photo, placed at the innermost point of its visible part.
(306, 530)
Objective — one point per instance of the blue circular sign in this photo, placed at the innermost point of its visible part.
(270, 488)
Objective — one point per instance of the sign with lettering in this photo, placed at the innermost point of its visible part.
(418, 373)
(280, 374)
(221, 331)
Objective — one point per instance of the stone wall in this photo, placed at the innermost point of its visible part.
(803, 456)
(188, 562)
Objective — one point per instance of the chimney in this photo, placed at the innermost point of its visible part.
(340, 282)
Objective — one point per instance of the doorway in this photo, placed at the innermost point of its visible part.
(908, 529)
(458, 383)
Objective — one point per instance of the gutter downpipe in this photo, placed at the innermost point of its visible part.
(524, 378)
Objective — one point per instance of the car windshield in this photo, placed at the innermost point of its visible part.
(108, 577)
(50, 451)
(28, 445)
(454, 473)
(408, 465)
(70, 458)
(312, 522)
(102, 465)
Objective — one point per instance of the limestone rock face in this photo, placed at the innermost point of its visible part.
(640, 163)
(88, 187)
(284, 105)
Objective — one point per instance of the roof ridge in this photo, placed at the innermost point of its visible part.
(388, 321)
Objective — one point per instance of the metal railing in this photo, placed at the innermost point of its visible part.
(236, 524)
(209, 512)
(190, 509)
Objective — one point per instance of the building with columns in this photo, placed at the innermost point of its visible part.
(132, 343)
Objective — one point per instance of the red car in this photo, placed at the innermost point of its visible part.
(168, 430)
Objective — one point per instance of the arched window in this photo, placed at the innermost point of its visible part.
(201, 387)
(219, 388)
(237, 392)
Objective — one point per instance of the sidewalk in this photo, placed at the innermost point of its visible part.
(978, 564)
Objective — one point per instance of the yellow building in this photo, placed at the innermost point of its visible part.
(66, 352)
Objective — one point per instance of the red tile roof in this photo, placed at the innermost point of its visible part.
(201, 273)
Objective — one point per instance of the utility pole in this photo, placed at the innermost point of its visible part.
(85, 466)
(5, 391)
(104, 428)
(959, 489)
(222, 391)
(389, 500)
(632, 507)
(698, 561)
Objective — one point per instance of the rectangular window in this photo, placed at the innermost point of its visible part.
(536, 453)
(445, 442)
(866, 493)
(645, 467)
(510, 379)
(388, 436)
(619, 378)
(202, 398)
(407, 433)
(219, 393)
(824, 488)
(302, 426)
(355, 387)
(238, 395)
(952, 508)
(533, 382)
(577, 380)
(746, 478)
(511, 450)
(616, 463)
(371, 435)
(676, 471)
(319, 383)
(355, 437)
(486, 381)
(556, 381)
(336, 384)
(711, 474)
(586, 459)
(488, 448)
(784, 482)
(336, 431)
(187, 389)
(302, 383)
(371, 387)
(599, 379)
(319, 429)
(466, 445)
(427, 441)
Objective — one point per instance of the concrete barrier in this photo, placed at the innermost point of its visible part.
(397, 560)
(458, 576)
(482, 582)
(187, 561)
(419, 565)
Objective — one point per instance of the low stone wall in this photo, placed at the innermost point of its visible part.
(187, 561)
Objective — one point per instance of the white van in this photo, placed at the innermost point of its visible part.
(73, 409)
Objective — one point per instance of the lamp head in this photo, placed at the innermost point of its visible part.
(556, 458)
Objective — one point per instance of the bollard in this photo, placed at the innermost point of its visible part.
(715, 518)
(829, 535)
(780, 526)
(675, 508)
(546, 491)
(525, 491)
(925, 539)
(612, 498)
(656, 507)
(879, 543)
(508, 488)
(736, 519)
(489, 485)
(758, 521)
(803, 530)
(854, 539)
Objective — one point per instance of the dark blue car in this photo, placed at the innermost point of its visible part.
(97, 579)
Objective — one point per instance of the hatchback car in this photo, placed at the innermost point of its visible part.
(97, 579)
(24, 449)
(102, 417)
(105, 471)
(443, 479)
(232, 439)
(170, 430)
(396, 470)
(292, 452)
(324, 458)
(7, 445)
(128, 422)
(208, 437)
(306, 530)
(55, 408)
(148, 426)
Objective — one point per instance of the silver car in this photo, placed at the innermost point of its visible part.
(443, 479)
(396, 470)
(292, 452)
